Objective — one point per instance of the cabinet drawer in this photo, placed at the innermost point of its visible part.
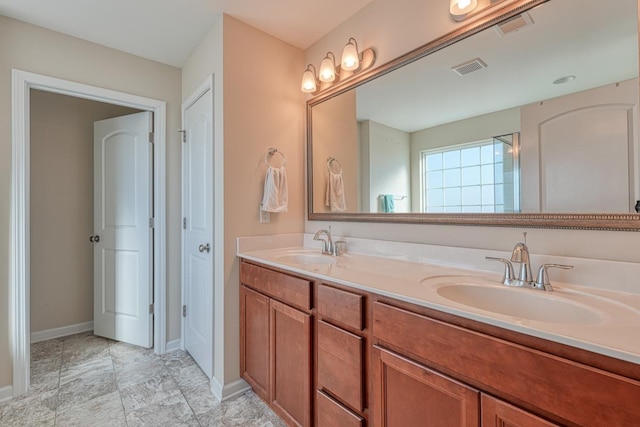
(340, 306)
(289, 289)
(332, 414)
(582, 395)
(340, 373)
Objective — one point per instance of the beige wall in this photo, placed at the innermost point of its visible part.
(394, 28)
(258, 104)
(62, 207)
(34, 49)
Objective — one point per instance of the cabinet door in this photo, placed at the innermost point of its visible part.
(497, 413)
(291, 364)
(340, 371)
(254, 344)
(408, 394)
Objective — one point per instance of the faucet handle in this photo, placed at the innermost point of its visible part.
(507, 276)
(542, 282)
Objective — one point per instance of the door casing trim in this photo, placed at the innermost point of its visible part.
(19, 276)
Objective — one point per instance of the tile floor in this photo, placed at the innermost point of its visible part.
(85, 380)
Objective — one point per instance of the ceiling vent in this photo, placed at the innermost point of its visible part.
(469, 67)
(513, 24)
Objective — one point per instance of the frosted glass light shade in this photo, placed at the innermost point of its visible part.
(350, 57)
(459, 9)
(308, 81)
(327, 69)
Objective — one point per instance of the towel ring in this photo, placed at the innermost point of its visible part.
(330, 162)
(272, 152)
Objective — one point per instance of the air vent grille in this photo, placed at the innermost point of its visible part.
(514, 24)
(469, 67)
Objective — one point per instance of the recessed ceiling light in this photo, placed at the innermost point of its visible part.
(564, 79)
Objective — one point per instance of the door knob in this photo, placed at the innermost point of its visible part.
(94, 239)
(203, 248)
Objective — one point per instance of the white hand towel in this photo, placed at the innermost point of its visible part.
(276, 193)
(335, 193)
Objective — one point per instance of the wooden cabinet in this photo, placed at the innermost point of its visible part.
(377, 361)
(408, 394)
(340, 358)
(291, 364)
(549, 386)
(276, 341)
(254, 351)
(497, 413)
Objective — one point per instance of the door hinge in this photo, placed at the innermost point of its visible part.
(151, 137)
(184, 311)
(184, 223)
(152, 222)
(184, 134)
(151, 309)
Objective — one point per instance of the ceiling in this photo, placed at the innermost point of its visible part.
(168, 31)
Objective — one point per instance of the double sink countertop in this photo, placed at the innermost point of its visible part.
(603, 321)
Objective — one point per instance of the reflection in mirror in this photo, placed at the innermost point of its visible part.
(537, 114)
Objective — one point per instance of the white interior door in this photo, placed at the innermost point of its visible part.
(122, 225)
(198, 253)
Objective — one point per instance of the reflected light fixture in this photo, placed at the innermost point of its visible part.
(328, 68)
(352, 61)
(309, 83)
(460, 9)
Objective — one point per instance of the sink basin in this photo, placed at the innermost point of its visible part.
(522, 303)
(307, 259)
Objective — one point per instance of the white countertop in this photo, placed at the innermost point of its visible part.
(610, 325)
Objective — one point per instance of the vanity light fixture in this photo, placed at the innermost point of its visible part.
(352, 61)
(309, 81)
(465, 9)
(460, 9)
(328, 68)
(350, 56)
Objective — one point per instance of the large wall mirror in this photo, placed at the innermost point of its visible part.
(526, 118)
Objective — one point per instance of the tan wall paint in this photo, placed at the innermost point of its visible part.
(62, 207)
(257, 105)
(263, 108)
(30, 48)
(394, 28)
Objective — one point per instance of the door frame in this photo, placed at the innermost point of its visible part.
(19, 274)
(204, 87)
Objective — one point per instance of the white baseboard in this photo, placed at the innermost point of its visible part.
(61, 332)
(173, 345)
(6, 393)
(222, 393)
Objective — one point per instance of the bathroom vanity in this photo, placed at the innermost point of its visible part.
(332, 341)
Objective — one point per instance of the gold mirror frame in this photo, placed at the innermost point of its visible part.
(612, 222)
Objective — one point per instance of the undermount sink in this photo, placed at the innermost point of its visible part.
(307, 259)
(521, 303)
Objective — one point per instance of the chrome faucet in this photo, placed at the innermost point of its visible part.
(520, 255)
(327, 244)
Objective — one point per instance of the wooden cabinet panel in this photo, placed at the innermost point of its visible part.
(407, 394)
(332, 414)
(340, 370)
(292, 290)
(291, 364)
(497, 413)
(344, 308)
(530, 378)
(254, 344)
